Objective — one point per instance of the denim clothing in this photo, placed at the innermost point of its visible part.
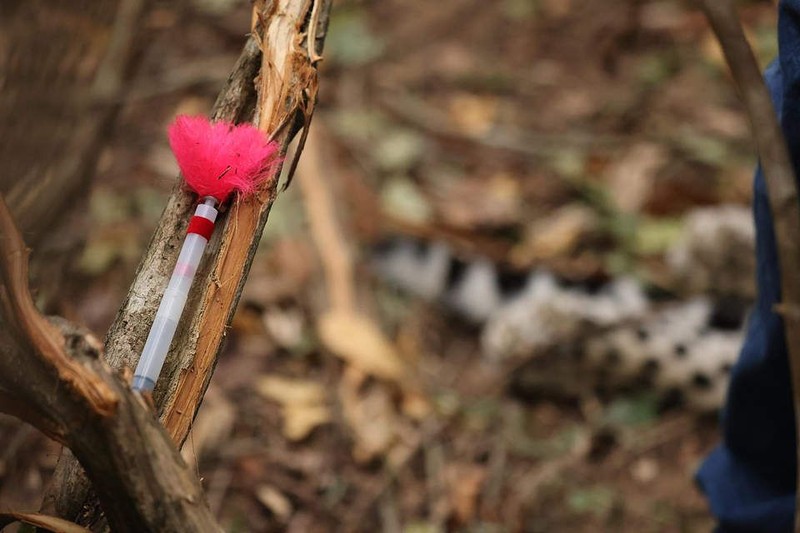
(750, 478)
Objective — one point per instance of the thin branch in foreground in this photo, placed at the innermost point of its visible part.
(778, 173)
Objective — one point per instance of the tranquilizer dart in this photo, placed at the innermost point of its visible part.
(216, 160)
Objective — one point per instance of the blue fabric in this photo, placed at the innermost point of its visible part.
(750, 478)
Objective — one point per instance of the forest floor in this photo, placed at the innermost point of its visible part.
(479, 120)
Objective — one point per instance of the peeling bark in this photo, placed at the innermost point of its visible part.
(273, 84)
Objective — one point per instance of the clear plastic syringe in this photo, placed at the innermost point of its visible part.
(169, 311)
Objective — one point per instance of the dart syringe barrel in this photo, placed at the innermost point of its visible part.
(174, 299)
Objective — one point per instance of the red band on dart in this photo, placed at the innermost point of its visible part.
(217, 160)
(201, 226)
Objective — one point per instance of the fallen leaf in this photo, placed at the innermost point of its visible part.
(519, 9)
(274, 500)
(108, 206)
(557, 235)
(399, 150)
(284, 270)
(161, 161)
(116, 242)
(569, 162)
(215, 7)
(370, 416)
(357, 123)
(476, 202)
(357, 340)
(722, 121)
(556, 8)
(300, 420)
(402, 198)
(576, 105)
(285, 326)
(211, 427)
(631, 179)
(705, 148)
(633, 411)
(303, 402)
(645, 470)
(464, 482)
(415, 405)
(291, 391)
(247, 321)
(191, 105)
(473, 115)
(422, 527)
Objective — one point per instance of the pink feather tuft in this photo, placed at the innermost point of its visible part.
(219, 158)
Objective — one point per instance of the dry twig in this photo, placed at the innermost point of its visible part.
(778, 173)
(325, 228)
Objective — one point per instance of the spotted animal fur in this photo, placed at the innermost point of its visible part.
(687, 346)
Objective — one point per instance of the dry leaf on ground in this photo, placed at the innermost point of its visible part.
(212, 426)
(357, 340)
(632, 178)
(464, 482)
(473, 114)
(557, 235)
(303, 401)
(274, 500)
(370, 415)
(479, 202)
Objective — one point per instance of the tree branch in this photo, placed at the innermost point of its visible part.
(43, 337)
(281, 102)
(778, 173)
(142, 482)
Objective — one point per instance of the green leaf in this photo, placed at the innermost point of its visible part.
(520, 9)
(596, 500)
(399, 150)
(402, 198)
(358, 124)
(633, 411)
(350, 41)
(705, 148)
(657, 235)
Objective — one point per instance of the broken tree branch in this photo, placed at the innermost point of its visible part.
(74, 397)
(326, 230)
(43, 336)
(281, 102)
(778, 173)
(287, 89)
